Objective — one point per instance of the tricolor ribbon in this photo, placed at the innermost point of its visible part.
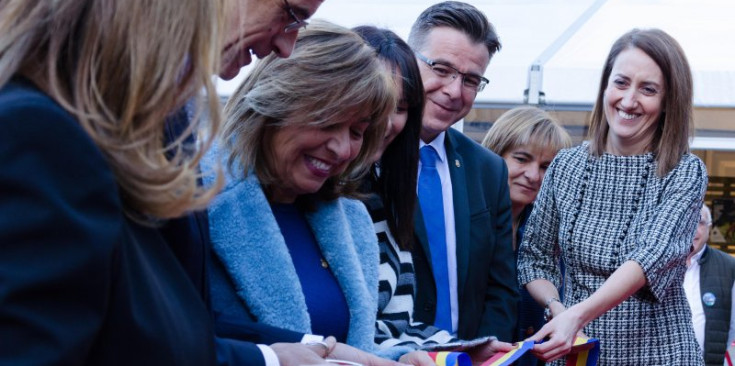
(507, 358)
(584, 352)
(451, 358)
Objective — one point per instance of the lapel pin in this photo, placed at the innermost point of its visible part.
(456, 162)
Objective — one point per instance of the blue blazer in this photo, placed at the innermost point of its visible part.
(486, 280)
(253, 278)
(81, 283)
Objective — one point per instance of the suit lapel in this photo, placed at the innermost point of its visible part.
(461, 210)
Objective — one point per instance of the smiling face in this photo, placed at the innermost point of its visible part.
(397, 119)
(303, 157)
(257, 27)
(633, 102)
(526, 168)
(448, 101)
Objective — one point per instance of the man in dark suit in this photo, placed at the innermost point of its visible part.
(466, 221)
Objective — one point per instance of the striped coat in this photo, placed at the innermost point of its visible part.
(395, 325)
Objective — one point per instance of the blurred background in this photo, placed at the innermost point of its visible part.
(552, 57)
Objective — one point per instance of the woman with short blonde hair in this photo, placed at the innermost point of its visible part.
(523, 126)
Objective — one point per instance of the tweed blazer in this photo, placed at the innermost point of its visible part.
(603, 211)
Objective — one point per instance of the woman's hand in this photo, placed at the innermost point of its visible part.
(346, 352)
(560, 331)
(293, 354)
(417, 358)
(483, 353)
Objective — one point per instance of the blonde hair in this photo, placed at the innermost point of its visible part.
(120, 68)
(331, 77)
(523, 126)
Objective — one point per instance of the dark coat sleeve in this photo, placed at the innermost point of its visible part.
(59, 217)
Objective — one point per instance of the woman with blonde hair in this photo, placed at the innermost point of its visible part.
(86, 86)
(527, 138)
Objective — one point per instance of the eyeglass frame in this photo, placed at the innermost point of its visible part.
(480, 86)
(297, 23)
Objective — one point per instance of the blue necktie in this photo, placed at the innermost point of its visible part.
(432, 209)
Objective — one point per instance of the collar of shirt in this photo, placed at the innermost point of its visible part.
(438, 145)
(697, 256)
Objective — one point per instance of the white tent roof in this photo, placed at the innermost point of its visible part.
(529, 29)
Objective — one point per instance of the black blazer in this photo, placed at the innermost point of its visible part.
(486, 269)
(81, 283)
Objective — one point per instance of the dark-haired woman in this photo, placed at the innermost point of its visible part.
(391, 202)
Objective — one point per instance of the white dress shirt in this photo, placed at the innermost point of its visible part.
(442, 168)
(271, 359)
(694, 297)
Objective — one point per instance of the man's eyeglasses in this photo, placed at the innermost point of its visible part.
(473, 82)
(297, 23)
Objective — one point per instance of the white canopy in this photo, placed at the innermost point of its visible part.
(570, 39)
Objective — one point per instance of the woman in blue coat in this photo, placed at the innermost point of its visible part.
(291, 250)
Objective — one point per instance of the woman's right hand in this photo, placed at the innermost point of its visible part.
(559, 334)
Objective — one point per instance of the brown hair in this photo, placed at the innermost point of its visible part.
(676, 125)
(332, 76)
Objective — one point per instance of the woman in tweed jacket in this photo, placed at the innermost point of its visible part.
(622, 211)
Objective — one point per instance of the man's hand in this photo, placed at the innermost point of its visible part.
(293, 354)
(348, 353)
(483, 353)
